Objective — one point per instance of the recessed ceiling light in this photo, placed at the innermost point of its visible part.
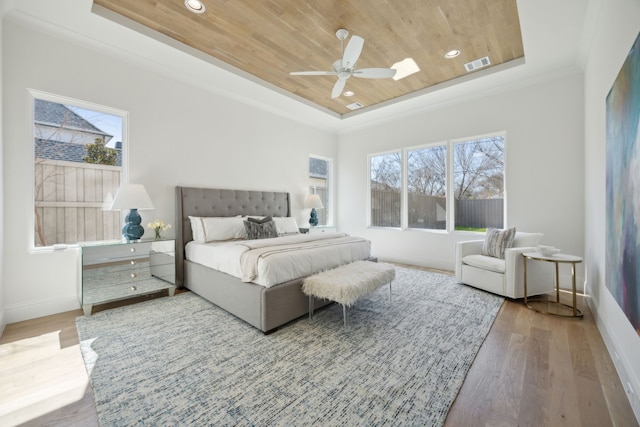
(405, 68)
(349, 93)
(452, 53)
(195, 6)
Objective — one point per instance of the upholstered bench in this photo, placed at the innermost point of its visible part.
(347, 283)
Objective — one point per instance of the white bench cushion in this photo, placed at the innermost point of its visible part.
(485, 262)
(349, 282)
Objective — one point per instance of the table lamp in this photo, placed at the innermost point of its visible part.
(132, 197)
(313, 201)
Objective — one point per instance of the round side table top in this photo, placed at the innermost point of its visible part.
(552, 258)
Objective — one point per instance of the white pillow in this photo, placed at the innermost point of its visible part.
(197, 229)
(526, 239)
(223, 228)
(286, 225)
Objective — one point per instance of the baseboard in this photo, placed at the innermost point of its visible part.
(620, 361)
(418, 262)
(40, 308)
(3, 323)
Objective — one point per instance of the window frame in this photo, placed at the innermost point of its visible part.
(32, 95)
(449, 145)
(405, 186)
(330, 210)
(403, 190)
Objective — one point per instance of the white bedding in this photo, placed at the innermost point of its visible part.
(268, 262)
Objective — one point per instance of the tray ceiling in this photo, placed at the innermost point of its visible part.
(266, 40)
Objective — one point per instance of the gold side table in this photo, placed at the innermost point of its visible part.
(553, 307)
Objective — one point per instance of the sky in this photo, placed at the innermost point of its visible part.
(106, 122)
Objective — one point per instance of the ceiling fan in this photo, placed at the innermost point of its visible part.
(345, 67)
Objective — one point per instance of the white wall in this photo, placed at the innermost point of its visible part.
(2, 315)
(180, 134)
(618, 24)
(544, 167)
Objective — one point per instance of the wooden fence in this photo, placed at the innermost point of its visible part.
(430, 211)
(482, 213)
(72, 201)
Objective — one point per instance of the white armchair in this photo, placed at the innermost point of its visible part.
(502, 276)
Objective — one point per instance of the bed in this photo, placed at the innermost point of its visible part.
(270, 305)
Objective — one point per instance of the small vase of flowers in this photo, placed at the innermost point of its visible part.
(158, 226)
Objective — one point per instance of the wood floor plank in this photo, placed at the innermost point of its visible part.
(505, 407)
(592, 404)
(563, 397)
(612, 388)
(535, 392)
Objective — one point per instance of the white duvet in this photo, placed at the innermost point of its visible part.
(268, 262)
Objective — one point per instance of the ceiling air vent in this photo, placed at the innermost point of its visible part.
(355, 106)
(478, 63)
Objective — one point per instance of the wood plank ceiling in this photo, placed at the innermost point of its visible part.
(270, 38)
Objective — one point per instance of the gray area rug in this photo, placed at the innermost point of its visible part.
(184, 361)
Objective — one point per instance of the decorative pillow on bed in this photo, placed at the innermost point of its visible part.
(216, 229)
(286, 225)
(496, 241)
(260, 228)
(197, 229)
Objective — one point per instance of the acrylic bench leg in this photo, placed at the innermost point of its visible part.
(310, 307)
(345, 315)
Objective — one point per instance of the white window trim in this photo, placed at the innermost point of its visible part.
(368, 188)
(32, 95)
(331, 220)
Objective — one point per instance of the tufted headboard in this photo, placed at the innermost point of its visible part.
(192, 201)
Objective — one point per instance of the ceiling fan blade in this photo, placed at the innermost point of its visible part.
(374, 73)
(312, 73)
(352, 52)
(337, 88)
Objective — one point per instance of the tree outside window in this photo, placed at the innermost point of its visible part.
(479, 183)
(427, 187)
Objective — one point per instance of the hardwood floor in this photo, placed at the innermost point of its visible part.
(532, 370)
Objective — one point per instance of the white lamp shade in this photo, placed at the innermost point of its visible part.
(313, 201)
(132, 196)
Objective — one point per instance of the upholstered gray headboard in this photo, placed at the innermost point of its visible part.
(192, 201)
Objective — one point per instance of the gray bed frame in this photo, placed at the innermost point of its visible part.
(264, 308)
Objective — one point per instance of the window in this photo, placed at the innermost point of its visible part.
(320, 184)
(427, 187)
(455, 184)
(385, 177)
(78, 167)
(478, 168)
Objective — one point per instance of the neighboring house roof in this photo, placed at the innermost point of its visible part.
(66, 151)
(52, 113)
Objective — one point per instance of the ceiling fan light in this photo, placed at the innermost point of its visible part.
(452, 54)
(349, 93)
(405, 68)
(195, 6)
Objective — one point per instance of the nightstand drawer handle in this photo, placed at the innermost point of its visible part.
(133, 262)
(133, 249)
(133, 275)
